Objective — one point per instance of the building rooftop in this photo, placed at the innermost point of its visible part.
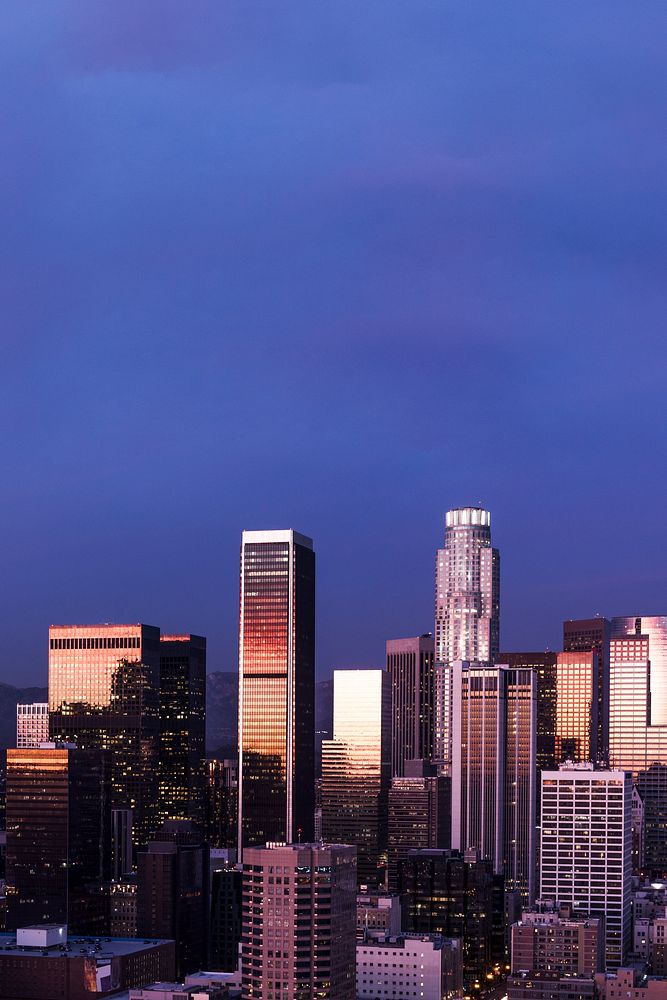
(95, 947)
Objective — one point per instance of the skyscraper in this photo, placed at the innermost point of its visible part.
(58, 834)
(544, 667)
(276, 687)
(172, 892)
(32, 725)
(577, 685)
(587, 862)
(299, 922)
(104, 692)
(654, 627)
(467, 590)
(182, 777)
(493, 768)
(356, 768)
(592, 635)
(419, 813)
(410, 666)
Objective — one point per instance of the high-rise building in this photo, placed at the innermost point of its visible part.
(456, 897)
(356, 768)
(32, 725)
(182, 778)
(410, 666)
(654, 627)
(104, 692)
(299, 922)
(635, 742)
(493, 768)
(419, 813)
(585, 857)
(58, 836)
(172, 892)
(577, 685)
(467, 589)
(121, 842)
(553, 939)
(222, 777)
(592, 635)
(544, 667)
(276, 688)
(225, 922)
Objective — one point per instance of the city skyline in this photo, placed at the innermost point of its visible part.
(386, 264)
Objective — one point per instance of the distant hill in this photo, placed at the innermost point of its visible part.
(222, 713)
(10, 697)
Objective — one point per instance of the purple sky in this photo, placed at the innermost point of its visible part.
(337, 267)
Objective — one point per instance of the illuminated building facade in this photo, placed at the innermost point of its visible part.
(467, 590)
(493, 771)
(419, 813)
(410, 667)
(299, 922)
(544, 667)
(577, 682)
(276, 688)
(654, 627)
(182, 777)
(58, 835)
(32, 725)
(592, 635)
(586, 846)
(104, 693)
(356, 768)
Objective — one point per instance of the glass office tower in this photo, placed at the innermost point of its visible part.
(467, 593)
(182, 780)
(577, 684)
(654, 627)
(104, 693)
(356, 768)
(410, 667)
(276, 688)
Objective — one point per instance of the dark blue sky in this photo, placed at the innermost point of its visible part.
(338, 267)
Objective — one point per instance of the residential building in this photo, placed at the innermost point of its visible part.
(299, 919)
(552, 939)
(276, 688)
(630, 984)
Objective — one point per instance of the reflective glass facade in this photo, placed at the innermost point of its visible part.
(182, 779)
(544, 667)
(58, 834)
(577, 679)
(585, 635)
(410, 667)
(655, 628)
(276, 687)
(467, 589)
(104, 692)
(356, 768)
(494, 711)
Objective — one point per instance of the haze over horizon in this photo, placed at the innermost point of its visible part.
(337, 268)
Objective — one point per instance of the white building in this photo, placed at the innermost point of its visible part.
(586, 847)
(428, 967)
(32, 725)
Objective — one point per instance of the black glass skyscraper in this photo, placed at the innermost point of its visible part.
(276, 688)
